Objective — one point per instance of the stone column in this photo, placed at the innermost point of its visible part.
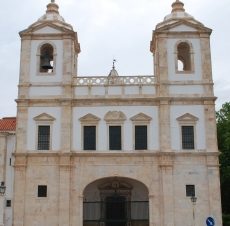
(19, 190)
(64, 191)
(167, 193)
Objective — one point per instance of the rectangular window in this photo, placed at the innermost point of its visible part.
(115, 137)
(187, 137)
(42, 190)
(43, 137)
(8, 203)
(89, 142)
(190, 190)
(140, 137)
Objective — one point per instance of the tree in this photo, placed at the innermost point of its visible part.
(223, 136)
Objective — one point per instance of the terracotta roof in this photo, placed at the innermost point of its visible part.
(8, 124)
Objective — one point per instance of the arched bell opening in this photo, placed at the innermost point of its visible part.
(184, 57)
(116, 201)
(46, 58)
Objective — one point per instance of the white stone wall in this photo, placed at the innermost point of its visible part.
(200, 132)
(55, 127)
(128, 135)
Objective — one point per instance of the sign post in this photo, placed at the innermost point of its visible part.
(210, 221)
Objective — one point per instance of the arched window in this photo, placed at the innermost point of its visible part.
(184, 57)
(46, 58)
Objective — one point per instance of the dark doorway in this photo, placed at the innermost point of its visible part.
(116, 210)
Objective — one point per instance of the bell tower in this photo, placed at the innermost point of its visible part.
(181, 48)
(182, 66)
(49, 52)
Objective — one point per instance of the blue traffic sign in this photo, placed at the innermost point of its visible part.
(210, 221)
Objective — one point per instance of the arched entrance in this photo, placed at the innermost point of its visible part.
(116, 202)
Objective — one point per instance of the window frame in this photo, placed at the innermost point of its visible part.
(115, 118)
(187, 190)
(89, 120)
(141, 119)
(42, 185)
(108, 139)
(182, 143)
(96, 134)
(44, 120)
(134, 135)
(188, 120)
(50, 143)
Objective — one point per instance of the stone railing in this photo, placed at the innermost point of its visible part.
(116, 80)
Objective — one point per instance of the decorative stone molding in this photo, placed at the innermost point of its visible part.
(44, 117)
(187, 118)
(89, 118)
(115, 116)
(141, 117)
(166, 161)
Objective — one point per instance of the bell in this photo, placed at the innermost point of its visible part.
(46, 63)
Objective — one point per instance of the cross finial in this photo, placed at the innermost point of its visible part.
(114, 61)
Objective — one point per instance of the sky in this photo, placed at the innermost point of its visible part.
(108, 29)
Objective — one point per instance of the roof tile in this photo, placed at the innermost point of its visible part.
(8, 124)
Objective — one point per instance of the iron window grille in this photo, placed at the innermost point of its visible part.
(187, 137)
(43, 137)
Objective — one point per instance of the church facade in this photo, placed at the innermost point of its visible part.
(116, 150)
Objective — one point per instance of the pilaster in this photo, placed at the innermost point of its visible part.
(167, 190)
(210, 126)
(21, 130)
(67, 66)
(23, 91)
(164, 126)
(206, 63)
(64, 191)
(19, 190)
(66, 125)
(214, 189)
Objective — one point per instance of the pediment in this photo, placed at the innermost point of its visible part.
(44, 117)
(184, 26)
(141, 117)
(187, 118)
(89, 118)
(45, 28)
(115, 116)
